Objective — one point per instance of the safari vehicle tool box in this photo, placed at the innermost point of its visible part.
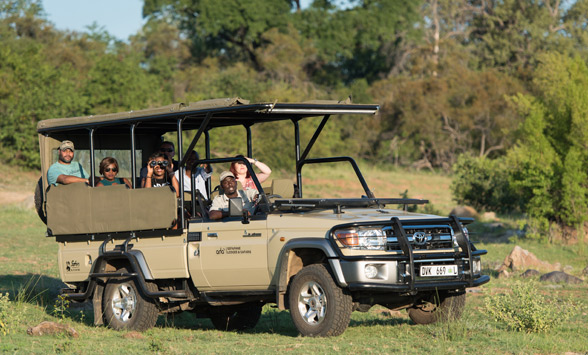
(137, 253)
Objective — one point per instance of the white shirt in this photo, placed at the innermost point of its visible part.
(201, 176)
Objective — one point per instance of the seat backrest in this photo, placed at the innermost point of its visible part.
(283, 187)
(81, 209)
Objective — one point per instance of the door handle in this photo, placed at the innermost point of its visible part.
(249, 235)
(212, 235)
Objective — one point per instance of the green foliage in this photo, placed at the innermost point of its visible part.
(5, 311)
(525, 309)
(484, 184)
(551, 156)
(60, 308)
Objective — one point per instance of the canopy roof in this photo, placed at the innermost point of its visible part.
(225, 112)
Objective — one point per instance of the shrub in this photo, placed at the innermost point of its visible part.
(484, 184)
(525, 309)
(4, 313)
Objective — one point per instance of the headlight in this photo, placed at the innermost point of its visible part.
(362, 239)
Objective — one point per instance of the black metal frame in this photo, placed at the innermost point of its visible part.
(410, 284)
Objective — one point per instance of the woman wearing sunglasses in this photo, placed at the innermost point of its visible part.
(109, 169)
(158, 175)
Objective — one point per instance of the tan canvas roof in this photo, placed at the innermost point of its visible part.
(226, 112)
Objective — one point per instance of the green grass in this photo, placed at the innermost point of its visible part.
(28, 271)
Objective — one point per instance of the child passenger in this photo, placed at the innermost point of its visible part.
(109, 169)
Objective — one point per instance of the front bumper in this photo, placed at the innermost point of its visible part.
(392, 275)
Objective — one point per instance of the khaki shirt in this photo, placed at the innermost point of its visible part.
(221, 202)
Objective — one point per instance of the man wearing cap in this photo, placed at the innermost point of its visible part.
(64, 171)
(220, 205)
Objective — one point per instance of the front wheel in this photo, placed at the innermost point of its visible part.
(440, 307)
(318, 306)
(125, 307)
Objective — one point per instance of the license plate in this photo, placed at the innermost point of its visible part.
(438, 270)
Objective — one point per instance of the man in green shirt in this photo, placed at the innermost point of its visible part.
(65, 171)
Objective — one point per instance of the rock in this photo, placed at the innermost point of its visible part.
(585, 271)
(530, 273)
(521, 259)
(52, 328)
(568, 269)
(558, 276)
(133, 335)
(503, 274)
(464, 211)
(488, 216)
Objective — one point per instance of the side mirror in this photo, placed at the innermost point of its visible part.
(235, 207)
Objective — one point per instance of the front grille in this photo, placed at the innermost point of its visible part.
(429, 237)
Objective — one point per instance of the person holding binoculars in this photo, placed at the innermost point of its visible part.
(160, 173)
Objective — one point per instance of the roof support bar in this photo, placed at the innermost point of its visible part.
(203, 128)
(297, 143)
(249, 147)
(133, 158)
(207, 148)
(181, 170)
(315, 136)
(92, 169)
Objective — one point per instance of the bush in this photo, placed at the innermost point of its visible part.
(526, 310)
(4, 314)
(484, 184)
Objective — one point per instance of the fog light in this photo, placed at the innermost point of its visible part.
(477, 266)
(371, 271)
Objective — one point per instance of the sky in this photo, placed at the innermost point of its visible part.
(121, 18)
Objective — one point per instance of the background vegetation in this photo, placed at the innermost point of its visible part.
(502, 83)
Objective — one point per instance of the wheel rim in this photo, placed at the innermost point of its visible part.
(312, 303)
(124, 302)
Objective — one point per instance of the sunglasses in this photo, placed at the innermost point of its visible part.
(160, 163)
(109, 170)
(163, 150)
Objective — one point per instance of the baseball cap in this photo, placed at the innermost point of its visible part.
(66, 145)
(226, 174)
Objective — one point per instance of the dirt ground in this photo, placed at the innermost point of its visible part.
(18, 188)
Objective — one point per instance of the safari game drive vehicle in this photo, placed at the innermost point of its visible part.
(137, 253)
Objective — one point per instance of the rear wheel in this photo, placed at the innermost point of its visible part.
(125, 307)
(236, 318)
(318, 306)
(439, 307)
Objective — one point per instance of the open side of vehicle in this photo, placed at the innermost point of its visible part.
(138, 252)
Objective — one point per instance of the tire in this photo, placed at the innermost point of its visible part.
(318, 307)
(449, 308)
(39, 202)
(126, 308)
(236, 318)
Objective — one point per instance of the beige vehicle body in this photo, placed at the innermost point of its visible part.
(138, 252)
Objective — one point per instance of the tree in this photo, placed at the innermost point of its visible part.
(229, 29)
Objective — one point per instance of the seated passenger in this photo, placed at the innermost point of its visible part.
(109, 169)
(239, 169)
(202, 173)
(169, 150)
(157, 174)
(220, 205)
(65, 170)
